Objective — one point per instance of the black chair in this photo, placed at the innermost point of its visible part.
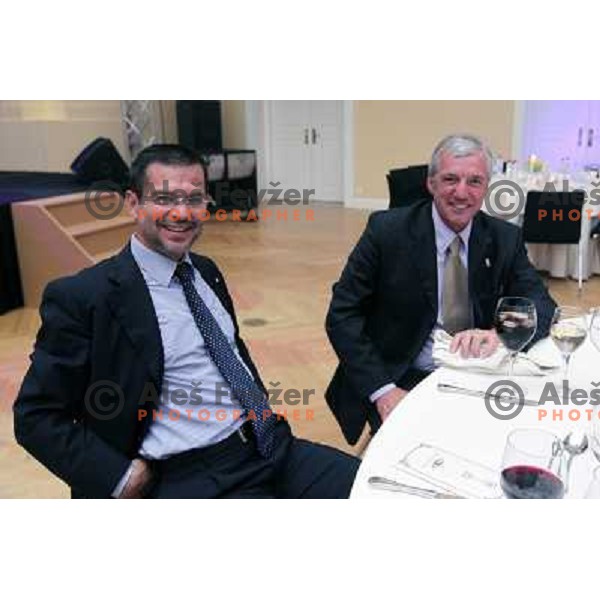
(595, 232)
(407, 185)
(558, 224)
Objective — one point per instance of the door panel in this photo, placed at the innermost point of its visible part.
(290, 162)
(306, 148)
(326, 120)
(555, 130)
(592, 134)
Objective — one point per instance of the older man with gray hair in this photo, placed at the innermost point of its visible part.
(441, 264)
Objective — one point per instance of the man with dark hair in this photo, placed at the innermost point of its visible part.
(441, 264)
(140, 385)
(172, 155)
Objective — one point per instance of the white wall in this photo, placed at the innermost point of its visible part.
(46, 135)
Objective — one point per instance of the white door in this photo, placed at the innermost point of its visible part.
(305, 146)
(326, 149)
(591, 136)
(289, 144)
(556, 131)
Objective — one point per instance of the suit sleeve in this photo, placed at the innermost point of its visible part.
(346, 323)
(524, 280)
(49, 413)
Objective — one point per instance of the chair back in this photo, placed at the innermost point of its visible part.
(407, 185)
(550, 217)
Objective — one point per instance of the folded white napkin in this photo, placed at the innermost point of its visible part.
(532, 363)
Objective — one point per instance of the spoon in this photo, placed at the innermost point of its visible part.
(575, 444)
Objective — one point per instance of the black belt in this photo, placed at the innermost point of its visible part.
(240, 438)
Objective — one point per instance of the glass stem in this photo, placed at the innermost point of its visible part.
(567, 358)
(511, 363)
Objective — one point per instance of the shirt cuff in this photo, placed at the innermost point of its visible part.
(122, 482)
(381, 391)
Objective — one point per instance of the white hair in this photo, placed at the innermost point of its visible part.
(459, 145)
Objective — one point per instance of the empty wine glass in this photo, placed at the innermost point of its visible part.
(568, 331)
(594, 439)
(595, 327)
(532, 465)
(516, 322)
(593, 491)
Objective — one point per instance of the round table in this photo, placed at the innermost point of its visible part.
(462, 425)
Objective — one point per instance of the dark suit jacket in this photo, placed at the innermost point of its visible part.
(385, 304)
(99, 328)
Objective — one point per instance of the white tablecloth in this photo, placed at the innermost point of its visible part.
(560, 260)
(461, 424)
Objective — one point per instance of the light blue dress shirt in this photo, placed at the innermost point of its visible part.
(196, 408)
(444, 236)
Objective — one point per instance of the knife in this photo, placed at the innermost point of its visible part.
(446, 387)
(390, 485)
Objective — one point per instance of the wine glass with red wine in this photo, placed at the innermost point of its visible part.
(532, 465)
(516, 322)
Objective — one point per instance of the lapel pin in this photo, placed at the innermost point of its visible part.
(488, 263)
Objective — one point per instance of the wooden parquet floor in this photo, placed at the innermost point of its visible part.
(280, 276)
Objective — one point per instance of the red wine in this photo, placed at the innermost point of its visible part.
(515, 330)
(527, 483)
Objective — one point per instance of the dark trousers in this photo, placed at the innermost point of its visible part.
(234, 469)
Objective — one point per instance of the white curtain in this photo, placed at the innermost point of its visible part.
(143, 123)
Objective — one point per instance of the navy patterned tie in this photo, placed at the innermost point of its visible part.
(245, 389)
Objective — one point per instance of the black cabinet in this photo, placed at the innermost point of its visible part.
(231, 173)
(11, 295)
(232, 181)
(199, 124)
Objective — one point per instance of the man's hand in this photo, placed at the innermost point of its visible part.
(386, 404)
(139, 480)
(475, 343)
